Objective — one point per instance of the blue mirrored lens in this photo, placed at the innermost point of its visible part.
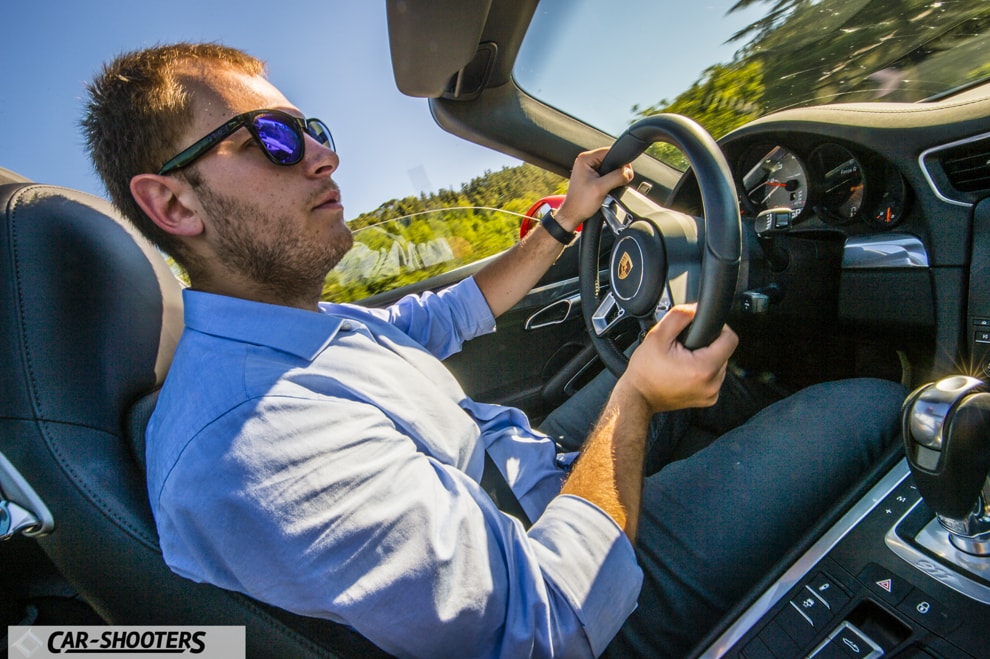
(282, 141)
(320, 132)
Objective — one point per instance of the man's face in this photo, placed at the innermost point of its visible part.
(281, 228)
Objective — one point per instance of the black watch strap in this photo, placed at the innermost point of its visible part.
(560, 234)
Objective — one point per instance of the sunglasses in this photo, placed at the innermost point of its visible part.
(282, 137)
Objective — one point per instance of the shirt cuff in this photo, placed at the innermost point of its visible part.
(473, 313)
(587, 558)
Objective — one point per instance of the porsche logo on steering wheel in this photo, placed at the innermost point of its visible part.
(625, 265)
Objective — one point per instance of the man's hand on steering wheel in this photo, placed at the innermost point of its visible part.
(669, 376)
(588, 188)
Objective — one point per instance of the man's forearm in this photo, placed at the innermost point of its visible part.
(609, 472)
(509, 277)
(662, 375)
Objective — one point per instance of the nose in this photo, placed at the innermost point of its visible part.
(320, 158)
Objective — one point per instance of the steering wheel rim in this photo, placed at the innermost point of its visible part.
(720, 254)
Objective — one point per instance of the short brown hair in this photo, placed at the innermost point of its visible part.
(137, 111)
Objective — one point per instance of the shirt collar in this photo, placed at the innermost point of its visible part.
(287, 329)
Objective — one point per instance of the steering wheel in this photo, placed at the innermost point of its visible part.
(662, 257)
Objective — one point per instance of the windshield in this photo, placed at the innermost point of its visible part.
(725, 63)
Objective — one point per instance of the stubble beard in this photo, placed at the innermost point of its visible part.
(286, 265)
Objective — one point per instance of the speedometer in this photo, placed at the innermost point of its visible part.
(777, 179)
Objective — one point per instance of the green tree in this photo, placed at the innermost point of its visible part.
(806, 52)
(726, 97)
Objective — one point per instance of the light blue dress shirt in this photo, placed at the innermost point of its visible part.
(329, 464)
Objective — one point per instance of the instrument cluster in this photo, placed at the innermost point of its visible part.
(832, 182)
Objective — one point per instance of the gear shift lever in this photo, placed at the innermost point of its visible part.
(947, 439)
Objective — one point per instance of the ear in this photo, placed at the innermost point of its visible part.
(165, 199)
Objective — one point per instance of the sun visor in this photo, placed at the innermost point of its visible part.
(430, 41)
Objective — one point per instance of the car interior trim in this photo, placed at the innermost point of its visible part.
(553, 314)
(935, 540)
(808, 560)
(895, 250)
(929, 153)
(21, 509)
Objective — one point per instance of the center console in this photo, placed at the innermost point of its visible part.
(906, 571)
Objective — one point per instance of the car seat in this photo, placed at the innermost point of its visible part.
(90, 315)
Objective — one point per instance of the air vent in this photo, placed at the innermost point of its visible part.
(968, 166)
(959, 173)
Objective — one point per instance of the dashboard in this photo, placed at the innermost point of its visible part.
(887, 243)
(879, 242)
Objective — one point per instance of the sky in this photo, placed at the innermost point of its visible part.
(329, 57)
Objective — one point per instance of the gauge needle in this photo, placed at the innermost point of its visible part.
(771, 185)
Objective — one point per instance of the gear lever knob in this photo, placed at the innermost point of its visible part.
(947, 440)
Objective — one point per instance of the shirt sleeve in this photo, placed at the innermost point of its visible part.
(442, 321)
(355, 525)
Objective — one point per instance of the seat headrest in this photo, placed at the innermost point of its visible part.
(95, 309)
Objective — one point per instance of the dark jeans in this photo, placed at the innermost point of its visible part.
(713, 523)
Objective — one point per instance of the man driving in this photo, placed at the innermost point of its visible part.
(320, 457)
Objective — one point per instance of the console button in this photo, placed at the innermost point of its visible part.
(928, 612)
(828, 650)
(812, 608)
(797, 625)
(823, 586)
(847, 642)
(849, 639)
(884, 583)
(757, 649)
(778, 641)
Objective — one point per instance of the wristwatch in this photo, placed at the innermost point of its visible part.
(552, 226)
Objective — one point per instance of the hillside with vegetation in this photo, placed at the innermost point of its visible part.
(407, 240)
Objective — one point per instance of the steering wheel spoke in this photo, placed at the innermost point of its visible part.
(607, 315)
(664, 304)
(617, 218)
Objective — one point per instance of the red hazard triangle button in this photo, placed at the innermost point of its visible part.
(884, 583)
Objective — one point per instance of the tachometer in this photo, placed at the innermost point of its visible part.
(777, 180)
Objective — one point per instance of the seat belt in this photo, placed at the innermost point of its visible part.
(494, 483)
